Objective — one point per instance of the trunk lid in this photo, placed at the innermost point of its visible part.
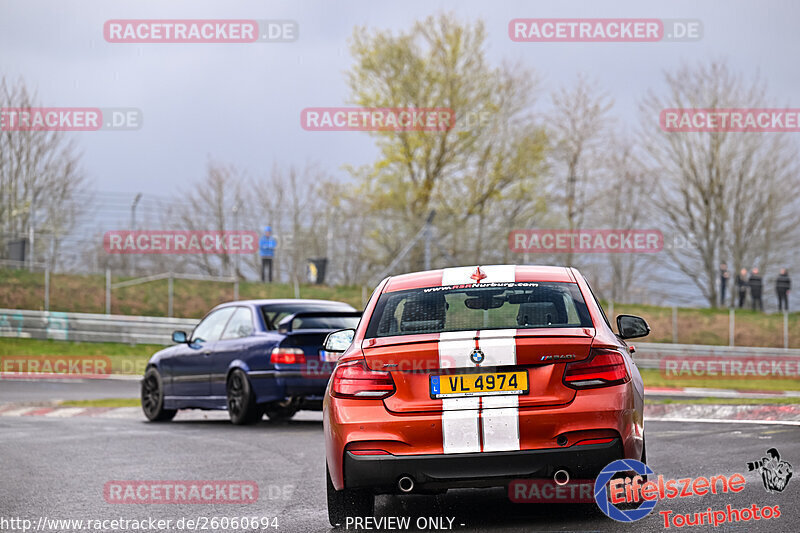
(541, 353)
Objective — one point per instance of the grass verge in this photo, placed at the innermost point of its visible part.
(125, 358)
(654, 378)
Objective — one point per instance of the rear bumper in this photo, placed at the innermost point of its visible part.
(609, 412)
(435, 471)
(271, 385)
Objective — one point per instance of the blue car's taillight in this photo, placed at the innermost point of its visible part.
(287, 356)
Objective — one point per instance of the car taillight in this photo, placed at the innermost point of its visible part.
(355, 380)
(603, 368)
(287, 356)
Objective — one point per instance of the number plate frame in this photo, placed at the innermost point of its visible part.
(435, 389)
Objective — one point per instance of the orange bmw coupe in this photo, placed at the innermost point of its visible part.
(476, 376)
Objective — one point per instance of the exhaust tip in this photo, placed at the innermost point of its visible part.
(561, 477)
(405, 484)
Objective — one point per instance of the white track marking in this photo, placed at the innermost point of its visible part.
(66, 412)
(724, 421)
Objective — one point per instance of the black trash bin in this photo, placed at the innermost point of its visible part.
(316, 270)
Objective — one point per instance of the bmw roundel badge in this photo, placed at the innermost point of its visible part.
(477, 356)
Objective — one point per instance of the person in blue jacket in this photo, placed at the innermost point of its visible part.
(266, 249)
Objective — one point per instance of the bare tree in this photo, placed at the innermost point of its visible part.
(40, 177)
(211, 205)
(294, 202)
(497, 188)
(729, 194)
(459, 172)
(578, 126)
(627, 195)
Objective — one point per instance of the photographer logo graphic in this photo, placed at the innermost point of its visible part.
(607, 504)
(774, 473)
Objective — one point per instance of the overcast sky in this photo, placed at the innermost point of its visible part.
(241, 103)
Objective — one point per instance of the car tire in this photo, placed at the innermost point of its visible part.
(242, 407)
(152, 397)
(347, 503)
(277, 411)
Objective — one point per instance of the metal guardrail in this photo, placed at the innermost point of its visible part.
(88, 327)
(649, 355)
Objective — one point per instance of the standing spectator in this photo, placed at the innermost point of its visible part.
(741, 286)
(724, 276)
(756, 284)
(782, 286)
(266, 249)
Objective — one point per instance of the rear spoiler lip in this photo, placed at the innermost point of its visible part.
(285, 325)
(396, 340)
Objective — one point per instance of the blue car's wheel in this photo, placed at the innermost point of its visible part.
(242, 407)
(153, 398)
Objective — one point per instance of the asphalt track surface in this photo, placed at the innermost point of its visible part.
(48, 390)
(57, 468)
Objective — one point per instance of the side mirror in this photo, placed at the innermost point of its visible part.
(631, 326)
(339, 341)
(179, 337)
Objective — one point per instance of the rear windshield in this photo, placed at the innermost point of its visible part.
(325, 322)
(474, 307)
(273, 314)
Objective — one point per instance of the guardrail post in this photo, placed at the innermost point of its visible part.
(611, 310)
(170, 291)
(674, 325)
(364, 296)
(296, 288)
(731, 327)
(108, 291)
(47, 288)
(786, 329)
(236, 289)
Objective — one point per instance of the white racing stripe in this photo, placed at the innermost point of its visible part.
(464, 423)
(500, 417)
(499, 414)
(460, 428)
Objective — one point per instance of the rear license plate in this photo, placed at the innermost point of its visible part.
(486, 384)
(329, 356)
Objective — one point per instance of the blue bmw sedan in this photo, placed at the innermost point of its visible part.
(250, 357)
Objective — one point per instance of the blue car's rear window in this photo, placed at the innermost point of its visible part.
(274, 314)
